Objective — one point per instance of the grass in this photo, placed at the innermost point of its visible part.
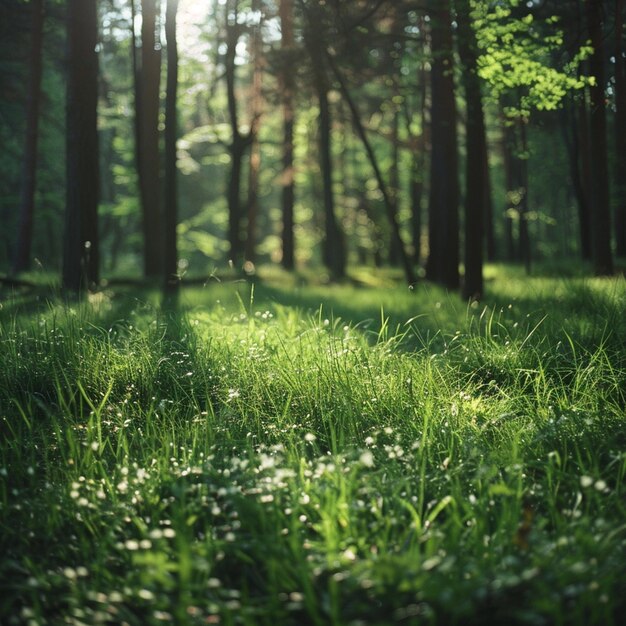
(254, 457)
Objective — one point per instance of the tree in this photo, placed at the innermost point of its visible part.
(476, 170)
(333, 253)
(601, 225)
(171, 135)
(148, 154)
(288, 105)
(256, 105)
(22, 260)
(240, 141)
(80, 243)
(620, 134)
(443, 217)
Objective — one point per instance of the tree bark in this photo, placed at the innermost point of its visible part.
(240, 142)
(287, 177)
(80, 244)
(256, 106)
(170, 256)
(602, 255)
(333, 250)
(620, 135)
(22, 258)
(476, 190)
(149, 161)
(576, 134)
(443, 260)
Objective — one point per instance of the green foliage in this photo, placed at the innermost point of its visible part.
(517, 57)
(255, 458)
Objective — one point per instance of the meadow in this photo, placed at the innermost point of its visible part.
(277, 453)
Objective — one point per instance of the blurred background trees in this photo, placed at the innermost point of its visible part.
(412, 133)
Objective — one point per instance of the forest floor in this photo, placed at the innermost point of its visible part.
(276, 453)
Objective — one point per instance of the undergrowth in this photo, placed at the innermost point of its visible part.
(252, 457)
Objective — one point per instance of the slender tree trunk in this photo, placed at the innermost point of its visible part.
(392, 218)
(490, 235)
(620, 135)
(333, 251)
(419, 164)
(288, 90)
(475, 180)
(256, 105)
(511, 184)
(22, 259)
(80, 244)
(576, 133)
(240, 142)
(417, 193)
(149, 173)
(443, 259)
(136, 65)
(394, 184)
(602, 255)
(170, 257)
(522, 167)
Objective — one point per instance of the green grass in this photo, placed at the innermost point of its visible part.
(282, 454)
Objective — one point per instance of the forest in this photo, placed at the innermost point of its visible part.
(312, 312)
(207, 136)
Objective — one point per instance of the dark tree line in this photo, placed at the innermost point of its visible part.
(424, 87)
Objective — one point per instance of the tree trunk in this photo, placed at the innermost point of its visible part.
(256, 105)
(490, 235)
(522, 169)
(476, 181)
(287, 177)
(620, 134)
(443, 260)
(22, 259)
(334, 253)
(333, 250)
(240, 142)
(602, 256)
(80, 244)
(576, 134)
(170, 256)
(419, 162)
(149, 172)
(394, 184)
(392, 218)
(512, 187)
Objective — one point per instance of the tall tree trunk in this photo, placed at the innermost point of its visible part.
(22, 261)
(170, 256)
(476, 181)
(394, 182)
(256, 105)
(392, 218)
(149, 161)
(80, 244)
(443, 260)
(416, 192)
(287, 177)
(602, 255)
(239, 142)
(576, 135)
(490, 234)
(522, 167)
(333, 250)
(620, 135)
(419, 164)
(513, 189)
